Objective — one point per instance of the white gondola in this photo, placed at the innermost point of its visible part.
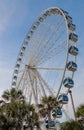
(41, 19)
(58, 113)
(26, 41)
(65, 12)
(14, 83)
(69, 19)
(44, 15)
(48, 12)
(31, 32)
(47, 123)
(63, 98)
(19, 59)
(21, 53)
(72, 26)
(37, 23)
(16, 71)
(17, 65)
(52, 124)
(73, 37)
(34, 27)
(73, 50)
(72, 66)
(54, 11)
(28, 37)
(15, 77)
(68, 83)
(23, 48)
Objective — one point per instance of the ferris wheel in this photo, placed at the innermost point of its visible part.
(47, 59)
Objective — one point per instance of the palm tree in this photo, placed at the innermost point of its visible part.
(14, 101)
(47, 104)
(72, 125)
(80, 114)
(80, 111)
(76, 125)
(16, 110)
(13, 94)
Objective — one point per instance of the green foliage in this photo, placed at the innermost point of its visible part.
(76, 125)
(46, 105)
(72, 125)
(49, 101)
(80, 111)
(14, 110)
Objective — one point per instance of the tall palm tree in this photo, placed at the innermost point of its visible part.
(46, 105)
(13, 94)
(72, 125)
(76, 125)
(80, 114)
(14, 101)
(80, 111)
(15, 111)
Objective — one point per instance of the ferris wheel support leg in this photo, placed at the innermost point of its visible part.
(30, 98)
(33, 89)
(21, 79)
(70, 92)
(43, 90)
(45, 83)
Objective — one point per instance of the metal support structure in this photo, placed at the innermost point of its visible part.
(32, 88)
(70, 92)
(39, 78)
(50, 91)
(45, 50)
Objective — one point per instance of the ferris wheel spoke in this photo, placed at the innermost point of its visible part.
(24, 84)
(40, 91)
(32, 87)
(42, 66)
(58, 49)
(40, 82)
(47, 68)
(51, 48)
(39, 37)
(51, 36)
(21, 78)
(28, 90)
(47, 58)
(30, 97)
(36, 89)
(46, 85)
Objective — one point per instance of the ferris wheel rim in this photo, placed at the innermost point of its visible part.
(66, 42)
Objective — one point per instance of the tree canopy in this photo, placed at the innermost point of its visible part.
(14, 110)
(79, 123)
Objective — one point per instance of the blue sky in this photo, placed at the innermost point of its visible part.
(16, 17)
